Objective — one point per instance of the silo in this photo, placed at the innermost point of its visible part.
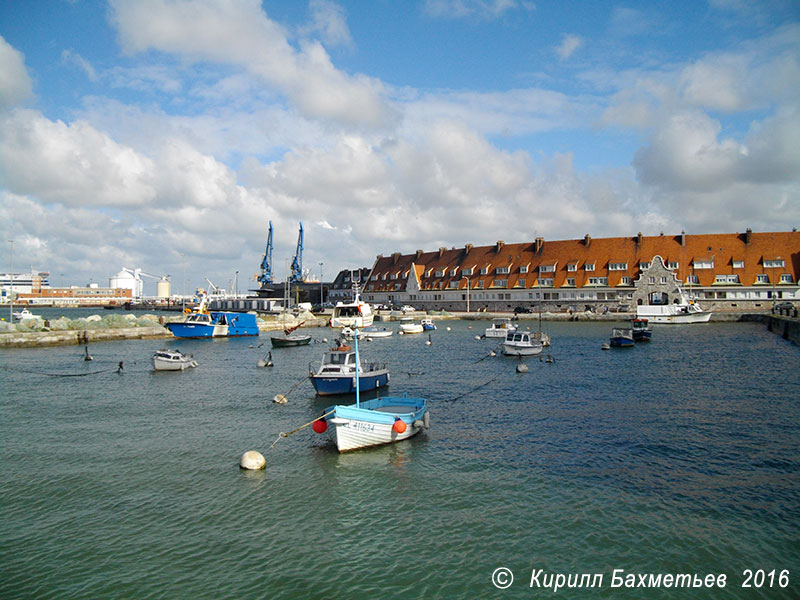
(124, 280)
(162, 288)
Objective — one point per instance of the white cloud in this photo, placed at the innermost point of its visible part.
(15, 84)
(484, 9)
(240, 34)
(71, 57)
(570, 43)
(328, 21)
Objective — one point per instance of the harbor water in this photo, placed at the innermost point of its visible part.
(681, 456)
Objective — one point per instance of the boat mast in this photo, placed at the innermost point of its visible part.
(358, 364)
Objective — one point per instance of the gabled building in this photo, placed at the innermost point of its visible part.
(725, 271)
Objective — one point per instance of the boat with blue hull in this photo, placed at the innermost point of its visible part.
(201, 323)
(337, 373)
(372, 422)
(622, 338)
(641, 331)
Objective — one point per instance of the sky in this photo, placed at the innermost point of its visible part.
(166, 134)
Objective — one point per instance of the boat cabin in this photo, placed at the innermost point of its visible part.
(338, 360)
(518, 337)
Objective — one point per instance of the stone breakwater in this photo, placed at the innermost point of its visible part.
(92, 329)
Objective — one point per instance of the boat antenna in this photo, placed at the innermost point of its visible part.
(358, 364)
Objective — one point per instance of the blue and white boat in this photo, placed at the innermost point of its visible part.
(622, 337)
(373, 422)
(201, 323)
(428, 324)
(641, 332)
(337, 373)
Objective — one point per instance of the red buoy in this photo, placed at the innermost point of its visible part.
(399, 425)
(320, 426)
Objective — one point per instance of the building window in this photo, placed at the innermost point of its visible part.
(618, 266)
(598, 280)
(521, 283)
(547, 268)
(673, 266)
(726, 279)
(479, 284)
(692, 279)
(500, 283)
(644, 266)
(773, 264)
(502, 270)
(663, 280)
(786, 278)
(453, 272)
(467, 271)
(485, 271)
(452, 285)
(589, 267)
(626, 281)
(523, 269)
(703, 264)
(762, 278)
(439, 272)
(572, 267)
(545, 282)
(571, 281)
(738, 264)
(394, 276)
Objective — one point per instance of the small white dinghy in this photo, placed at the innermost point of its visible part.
(172, 360)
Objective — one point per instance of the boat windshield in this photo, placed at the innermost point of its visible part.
(340, 358)
(201, 318)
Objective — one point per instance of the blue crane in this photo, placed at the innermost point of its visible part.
(297, 263)
(266, 263)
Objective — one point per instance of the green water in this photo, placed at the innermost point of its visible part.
(681, 456)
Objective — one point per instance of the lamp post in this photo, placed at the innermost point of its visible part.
(11, 282)
(467, 278)
(321, 293)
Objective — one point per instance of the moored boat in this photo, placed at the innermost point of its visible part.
(373, 422)
(290, 338)
(408, 328)
(200, 323)
(355, 313)
(428, 324)
(622, 337)
(521, 343)
(21, 315)
(685, 311)
(336, 373)
(641, 332)
(373, 332)
(500, 328)
(172, 360)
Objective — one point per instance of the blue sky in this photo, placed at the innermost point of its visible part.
(166, 134)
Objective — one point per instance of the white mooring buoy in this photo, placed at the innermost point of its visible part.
(252, 461)
(522, 368)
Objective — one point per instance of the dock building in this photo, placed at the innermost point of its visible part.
(729, 271)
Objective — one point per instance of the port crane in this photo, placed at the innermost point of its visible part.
(265, 278)
(297, 263)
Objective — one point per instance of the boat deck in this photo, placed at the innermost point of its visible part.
(396, 409)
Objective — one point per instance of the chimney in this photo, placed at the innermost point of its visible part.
(395, 257)
(748, 234)
(500, 244)
(683, 237)
(639, 238)
(419, 253)
(441, 251)
(467, 248)
(538, 244)
(587, 240)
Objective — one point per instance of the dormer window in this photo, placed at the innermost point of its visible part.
(588, 267)
(644, 266)
(453, 272)
(572, 267)
(706, 263)
(467, 271)
(523, 269)
(618, 266)
(485, 270)
(502, 270)
(738, 264)
(547, 268)
(776, 263)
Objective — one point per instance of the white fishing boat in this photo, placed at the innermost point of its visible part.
(428, 324)
(21, 315)
(355, 313)
(408, 328)
(373, 332)
(500, 328)
(172, 360)
(685, 311)
(373, 422)
(521, 343)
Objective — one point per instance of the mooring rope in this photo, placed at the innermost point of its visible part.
(116, 370)
(284, 435)
(492, 380)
